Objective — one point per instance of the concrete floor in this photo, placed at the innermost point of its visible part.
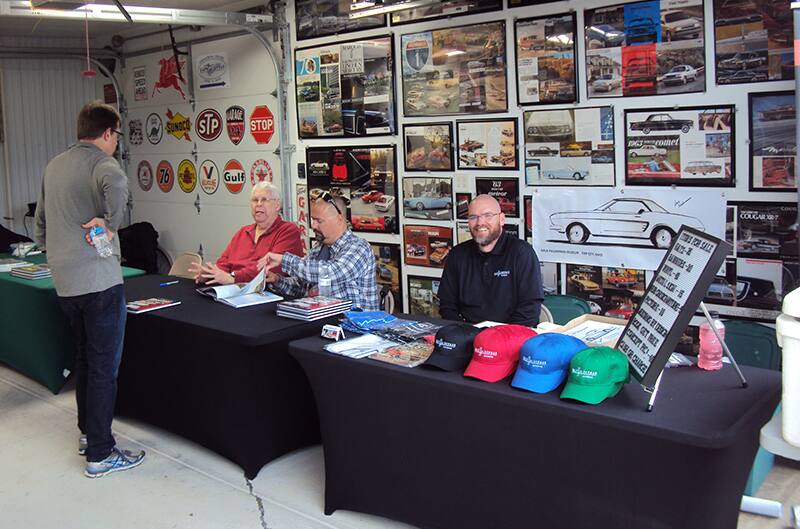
(182, 485)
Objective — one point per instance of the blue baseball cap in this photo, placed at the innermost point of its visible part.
(544, 361)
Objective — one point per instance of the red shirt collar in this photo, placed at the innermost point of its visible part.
(251, 229)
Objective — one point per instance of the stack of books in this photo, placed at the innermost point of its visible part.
(313, 308)
(40, 271)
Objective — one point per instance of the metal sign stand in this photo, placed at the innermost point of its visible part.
(727, 351)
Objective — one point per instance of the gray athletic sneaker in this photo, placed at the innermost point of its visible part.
(117, 460)
(83, 444)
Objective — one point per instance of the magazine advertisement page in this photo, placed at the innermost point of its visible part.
(319, 18)
(505, 190)
(444, 9)
(487, 144)
(601, 227)
(546, 67)
(612, 292)
(428, 198)
(423, 296)
(388, 272)
(684, 146)
(427, 245)
(773, 145)
(429, 147)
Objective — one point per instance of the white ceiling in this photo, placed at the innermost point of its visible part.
(44, 27)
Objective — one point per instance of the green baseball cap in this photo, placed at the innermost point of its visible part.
(595, 374)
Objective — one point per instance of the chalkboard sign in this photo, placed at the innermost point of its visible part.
(679, 285)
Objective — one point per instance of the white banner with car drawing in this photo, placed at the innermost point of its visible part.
(609, 227)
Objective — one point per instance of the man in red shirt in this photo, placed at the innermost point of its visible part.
(270, 233)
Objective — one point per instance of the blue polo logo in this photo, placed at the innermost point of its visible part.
(502, 273)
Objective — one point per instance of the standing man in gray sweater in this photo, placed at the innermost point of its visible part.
(85, 187)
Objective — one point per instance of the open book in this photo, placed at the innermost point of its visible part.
(239, 296)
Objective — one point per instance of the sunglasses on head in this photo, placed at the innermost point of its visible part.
(327, 197)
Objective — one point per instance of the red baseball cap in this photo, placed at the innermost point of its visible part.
(497, 352)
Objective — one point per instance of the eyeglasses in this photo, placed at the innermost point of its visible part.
(119, 132)
(483, 216)
(327, 197)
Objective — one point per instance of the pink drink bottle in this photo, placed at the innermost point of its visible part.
(710, 355)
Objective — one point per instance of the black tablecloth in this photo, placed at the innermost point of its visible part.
(219, 376)
(436, 449)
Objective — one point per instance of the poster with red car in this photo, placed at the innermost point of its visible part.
(612, 292)
(367, 175)
(505, 190)
(427, 245)
(773, 146)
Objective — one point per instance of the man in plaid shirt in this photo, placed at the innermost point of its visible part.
(351, 263)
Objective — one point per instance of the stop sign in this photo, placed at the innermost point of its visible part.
(262, 124)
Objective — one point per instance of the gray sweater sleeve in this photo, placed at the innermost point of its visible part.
(113, 185)
(40, 223)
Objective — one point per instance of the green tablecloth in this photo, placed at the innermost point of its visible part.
(34, 335)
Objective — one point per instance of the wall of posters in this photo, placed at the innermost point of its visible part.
(645, 48)
(428, 198)
(455, 71)
(427, 245)
(546, 65)
(569, 147)
(505, 190)
(366, 176)
(487, 144)
(602, 226)
(753, 41)
(690, 146)
(612, 292)
(346, 89)
(428, 146)
(444, 8)
(423, 296)
(773, 143)
(388, 271)
(318, 18)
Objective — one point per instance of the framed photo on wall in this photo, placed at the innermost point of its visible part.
(427, 245)
(365, 176)
(487, 144)
(428, 146)
(451, 71)
(687, 146)
(545, 57)
(753, 41)
(428, 198)
(388, 271)
(462, 205)
(346, 89)
(505, 190)
(319, 18)
(444, 9)
(423, 296)
(569, 147)
(653, 47)
(773, 146)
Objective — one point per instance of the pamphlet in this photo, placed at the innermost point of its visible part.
(146, 305)
(360, 346)
(406, 355)
(238, 296)
(6, 265)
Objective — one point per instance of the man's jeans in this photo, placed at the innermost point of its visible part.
(98, 324)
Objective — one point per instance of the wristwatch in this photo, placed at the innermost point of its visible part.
(233, 275)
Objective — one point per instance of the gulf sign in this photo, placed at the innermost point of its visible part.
(234, 176)
(208, 124)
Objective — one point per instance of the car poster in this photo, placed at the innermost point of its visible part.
(428, 198)
(551, 278)
(455, 70)
(766, 230)
(773, 145)
(752, 288)
(645, 48)
(630, 228)
(365, 175)
(528, 206)
(427, 245)
(511, 229)
(689, 146)
(505, 190)
(462, 205)
(569, 147)
(444, 9)
(462, 232)
(487, 144)
(346, 89)
(428, 146)
(545, 57)
(319, 18)
(388, 272)
(423, 296)
(753, 41)
(612, 292)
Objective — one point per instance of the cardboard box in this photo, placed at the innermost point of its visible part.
(593, 330)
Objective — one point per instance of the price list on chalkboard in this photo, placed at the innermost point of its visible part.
(671, 299)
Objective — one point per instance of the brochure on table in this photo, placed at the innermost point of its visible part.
(238, 296)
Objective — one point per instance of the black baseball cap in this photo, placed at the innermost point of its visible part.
(452, 349)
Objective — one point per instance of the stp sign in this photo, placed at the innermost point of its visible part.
(208, 124)
(262, 124)
(234, 176)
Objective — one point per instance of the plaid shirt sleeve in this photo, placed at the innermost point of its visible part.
(351, 267)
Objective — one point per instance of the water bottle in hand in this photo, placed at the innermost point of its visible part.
(100, 241)
(324, 282)
(710, 355)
